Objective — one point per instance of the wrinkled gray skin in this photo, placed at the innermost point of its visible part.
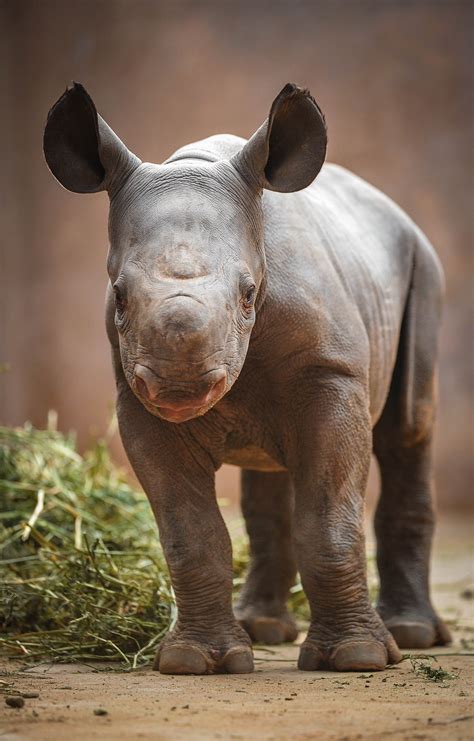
(289, 333)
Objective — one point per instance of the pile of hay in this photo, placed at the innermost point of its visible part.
(82, 575)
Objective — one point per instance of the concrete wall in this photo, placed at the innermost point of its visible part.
(393, 77)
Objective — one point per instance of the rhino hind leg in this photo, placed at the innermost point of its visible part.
(261, 607)
(404, 524)
(404, 520)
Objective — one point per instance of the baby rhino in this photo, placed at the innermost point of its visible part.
(288, 327)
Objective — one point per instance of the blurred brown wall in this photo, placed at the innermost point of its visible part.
(393, 77)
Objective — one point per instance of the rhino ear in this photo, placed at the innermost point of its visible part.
(81, 150)
(287, 152)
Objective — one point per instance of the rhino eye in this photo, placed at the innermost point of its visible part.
(119, 298)
(249, 297)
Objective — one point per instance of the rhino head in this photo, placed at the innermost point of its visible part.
(186, 260)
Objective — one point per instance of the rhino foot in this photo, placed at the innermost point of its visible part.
(181, 655)
(270, 631)
(349, 655)
(266, 628)
(418, 631)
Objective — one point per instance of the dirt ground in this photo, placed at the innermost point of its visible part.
(76, 702)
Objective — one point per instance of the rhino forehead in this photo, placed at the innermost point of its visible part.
(181, 262)
(182, 229)
(186, 194)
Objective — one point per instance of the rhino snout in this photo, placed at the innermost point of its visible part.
(178, 407)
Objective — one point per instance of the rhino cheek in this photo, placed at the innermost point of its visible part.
(236, 352)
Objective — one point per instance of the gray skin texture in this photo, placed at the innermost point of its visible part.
(288, 327)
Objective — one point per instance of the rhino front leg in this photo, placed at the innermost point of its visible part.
(267, 505)
(330, 468)
(178, 478)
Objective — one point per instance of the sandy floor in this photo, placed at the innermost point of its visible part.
(276, 702)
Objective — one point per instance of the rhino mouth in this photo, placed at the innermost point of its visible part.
(181, 410)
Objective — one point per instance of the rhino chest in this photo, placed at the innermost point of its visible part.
(239, 451)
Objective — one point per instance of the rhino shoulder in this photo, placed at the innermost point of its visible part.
(354, 195)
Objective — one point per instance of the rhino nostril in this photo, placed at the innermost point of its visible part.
(146, 383)
(216, 390)
(141, 386)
